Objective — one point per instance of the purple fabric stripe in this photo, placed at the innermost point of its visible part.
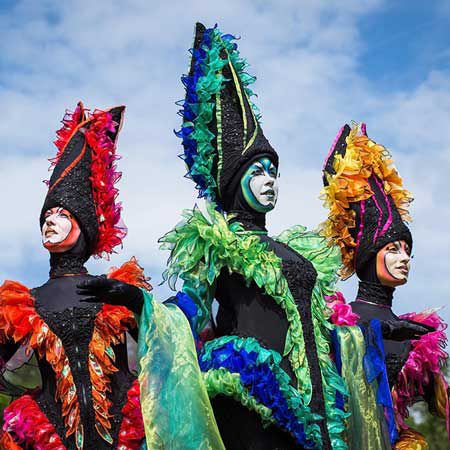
(380, 214)
(361, 225)
(388, 204)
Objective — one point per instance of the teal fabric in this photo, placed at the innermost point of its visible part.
(175, 404)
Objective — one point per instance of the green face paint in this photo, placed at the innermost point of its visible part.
(260, 185)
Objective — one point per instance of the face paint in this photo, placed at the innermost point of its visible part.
(393, 264)
(60, 230)
(260, 185)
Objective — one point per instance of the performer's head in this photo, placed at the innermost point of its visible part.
(393, 264)
(80, 212)
(368, 209)
(259, 185)
(225, 150)
(60, 231)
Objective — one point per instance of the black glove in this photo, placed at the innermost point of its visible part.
(106, 290)
(402, 330)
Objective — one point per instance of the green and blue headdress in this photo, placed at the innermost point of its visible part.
(221, 132)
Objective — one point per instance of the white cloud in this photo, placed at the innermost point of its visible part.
(307, 59)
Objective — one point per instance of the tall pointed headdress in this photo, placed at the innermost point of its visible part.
(221, 132)
(84, 174)
(368, 206)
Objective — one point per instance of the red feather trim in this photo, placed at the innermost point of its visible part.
(103, 178)
(71, 122)
(343, 314)
(104, 174)
(132, 431)
(132, 273)
(30, 426)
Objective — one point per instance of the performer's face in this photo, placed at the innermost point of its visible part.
(260, 185)
(393, 263)
(60, 230)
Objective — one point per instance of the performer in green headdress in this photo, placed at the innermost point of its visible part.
(268, 370)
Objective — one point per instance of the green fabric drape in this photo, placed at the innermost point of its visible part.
(175, 405)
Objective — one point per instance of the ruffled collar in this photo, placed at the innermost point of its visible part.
(251, 221)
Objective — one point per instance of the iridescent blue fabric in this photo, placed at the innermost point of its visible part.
(340, 401)
(375, 368)
(261, 382)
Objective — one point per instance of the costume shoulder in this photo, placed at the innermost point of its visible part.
(16, 308)
(132, 273)
(203, 244)
(320, 251)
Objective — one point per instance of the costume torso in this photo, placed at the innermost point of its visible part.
(371, 304)
(87, 389)
(271, 350)
(74, 326)
(247, 312)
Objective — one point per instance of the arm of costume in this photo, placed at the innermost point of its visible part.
(121, 288)
(7, 350)
(422, 375)
(175, 405)
(187, 300)
(367, 427)
(196, 260)
(18, 369)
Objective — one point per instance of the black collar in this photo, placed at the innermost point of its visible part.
(375, 293)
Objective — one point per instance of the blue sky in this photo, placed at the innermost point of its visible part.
(405, 41)
(319, 64)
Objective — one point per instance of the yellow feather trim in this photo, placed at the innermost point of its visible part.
(350, 184)
(411, 439)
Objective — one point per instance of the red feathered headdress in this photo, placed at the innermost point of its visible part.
(85, 173)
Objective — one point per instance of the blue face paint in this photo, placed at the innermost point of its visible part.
(259, 185)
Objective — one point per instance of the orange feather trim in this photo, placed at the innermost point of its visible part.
(411, 439)
(7, 442)
(109, 329)
(20, 321)
(363, 157)
(132, 273)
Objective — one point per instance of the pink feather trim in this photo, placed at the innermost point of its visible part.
(103, 178)
(132, 431)
(342, 313)
(424, 363)
(30, 426)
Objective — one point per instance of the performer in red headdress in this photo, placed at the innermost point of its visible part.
(75, 323)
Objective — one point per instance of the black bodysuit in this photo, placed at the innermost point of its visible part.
(374, 301)
(72, 321)
(246, 311)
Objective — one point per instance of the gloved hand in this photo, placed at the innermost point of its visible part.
(402, 330)
(106, 290)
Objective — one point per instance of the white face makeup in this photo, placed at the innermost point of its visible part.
(393, 263)
(57, 226)
(260, 185)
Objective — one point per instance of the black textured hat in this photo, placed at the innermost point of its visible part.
(221, 132)
(365, 196)
(84, 175)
